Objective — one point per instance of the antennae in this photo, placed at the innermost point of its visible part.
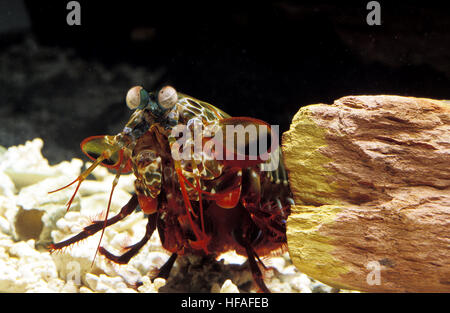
(114, 184)
(82, 177)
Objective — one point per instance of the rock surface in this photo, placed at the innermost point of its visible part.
(371, 181)
(30, 219)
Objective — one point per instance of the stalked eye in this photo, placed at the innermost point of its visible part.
(167, 97)
(137, 97)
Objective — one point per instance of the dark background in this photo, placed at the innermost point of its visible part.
(261, 59)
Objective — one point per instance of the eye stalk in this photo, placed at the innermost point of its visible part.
(158, 104)
(137, 97)
(167, 97)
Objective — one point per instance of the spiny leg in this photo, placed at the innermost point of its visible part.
(96, 226)
(256, 272)
(133, 249)
(164, 271)
(252, 259)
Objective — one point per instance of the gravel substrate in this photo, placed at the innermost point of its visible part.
(30, 219)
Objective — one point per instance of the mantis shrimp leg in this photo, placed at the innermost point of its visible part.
(96, 226)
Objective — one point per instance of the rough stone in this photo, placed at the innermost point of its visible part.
(371, 181)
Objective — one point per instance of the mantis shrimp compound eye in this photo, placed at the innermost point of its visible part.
(137, 97)
(167, 97)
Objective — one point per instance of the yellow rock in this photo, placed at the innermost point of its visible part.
(370, 177)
